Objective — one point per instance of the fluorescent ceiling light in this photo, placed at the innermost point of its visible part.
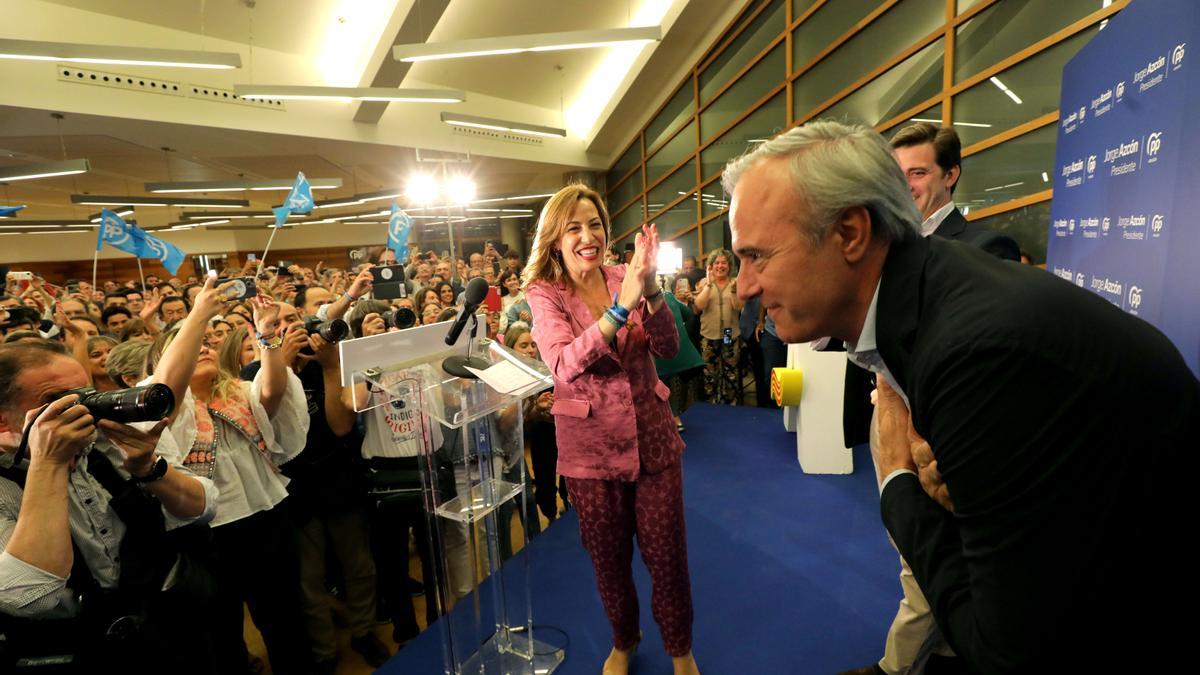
(957, 124)
(301, 93)
(1045, 177)
(201, 215)
(513, 44)
(501, 125)
(331, 203)
(126, 200)
(239, 185)
(1011, 94)
(43, 170)
(122, 211)
(59, 232)
(130, 56)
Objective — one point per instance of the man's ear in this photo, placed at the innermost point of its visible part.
(853, 229)
(952, 177)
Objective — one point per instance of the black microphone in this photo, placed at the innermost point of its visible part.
(476, 291)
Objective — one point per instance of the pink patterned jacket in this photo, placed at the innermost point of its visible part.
(610, 409)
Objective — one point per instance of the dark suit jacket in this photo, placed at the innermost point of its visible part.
(856, 398)
(1062, 427)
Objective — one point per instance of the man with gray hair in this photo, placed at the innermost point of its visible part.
(1016, 514)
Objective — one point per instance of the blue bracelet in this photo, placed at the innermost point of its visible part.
(620, 312)
(614, 319)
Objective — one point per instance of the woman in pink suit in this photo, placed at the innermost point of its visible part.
(599, 329)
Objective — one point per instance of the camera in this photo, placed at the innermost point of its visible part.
(137, 404)
(238, 288)
(727, 336)
(401, 317)
(330, 331)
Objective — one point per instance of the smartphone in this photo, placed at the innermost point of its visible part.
(251, 256)
(238, 288)
(387, 282)
(492, 299)
(21, 276)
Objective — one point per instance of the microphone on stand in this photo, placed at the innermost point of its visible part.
(456, 365)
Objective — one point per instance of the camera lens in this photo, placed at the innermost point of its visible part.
(330, 331)
(136, 404)
(401, 317)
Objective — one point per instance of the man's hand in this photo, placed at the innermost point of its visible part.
(152, 300)
(927, 471)
(525, 316)
(208, 302)
(894, 449)
(136, 446)
(373, 325)
(362, 284)
(325, 353)
(266, 316)
(68, 326)
(295, 340)
(62, 431)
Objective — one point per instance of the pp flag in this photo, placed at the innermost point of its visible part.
(281, 215)
(300, 199)
(169, 254)
(117, 233)
(6, 211)
(399, 225)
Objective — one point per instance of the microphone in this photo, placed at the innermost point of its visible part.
(473, 296)
(476, 291)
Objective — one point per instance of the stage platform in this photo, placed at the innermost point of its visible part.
(791, 574)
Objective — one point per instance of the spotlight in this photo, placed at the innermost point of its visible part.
(422, 189)
(460, 189)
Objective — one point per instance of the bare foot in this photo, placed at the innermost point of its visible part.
(617, 662)
(685, 665)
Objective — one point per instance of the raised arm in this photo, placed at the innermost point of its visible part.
(361, 286)
(179, 359)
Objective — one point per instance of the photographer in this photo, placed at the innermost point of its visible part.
(87, 527)
(239, 433)
(327, 493)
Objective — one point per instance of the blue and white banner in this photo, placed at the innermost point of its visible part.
(135, 241)
(399, 225)
(6, 211)
(300, 199)
(1126, 204)
(281, 215)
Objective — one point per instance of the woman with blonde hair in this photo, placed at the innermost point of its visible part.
(598, 329)
(716, 298)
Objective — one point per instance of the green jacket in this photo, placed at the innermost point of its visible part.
(688, 357)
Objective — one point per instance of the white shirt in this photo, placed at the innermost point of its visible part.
(935, 219)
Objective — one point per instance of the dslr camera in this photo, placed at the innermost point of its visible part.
(148, 403)
(401, 317)
(330, 331)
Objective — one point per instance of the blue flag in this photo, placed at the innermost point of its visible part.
(134, 240)
(399, 224)
(281, 215)
(9, 210)
(300, 199)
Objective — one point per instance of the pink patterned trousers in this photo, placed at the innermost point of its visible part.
(610, 513)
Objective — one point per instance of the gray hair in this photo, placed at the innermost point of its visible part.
(835, 167)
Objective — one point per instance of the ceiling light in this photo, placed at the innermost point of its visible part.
(513, 44)
(501, 125)
(201, 215)
(58, 232)
(341, 201)
(238, 185)
(422, 188)
(1045, 177)
(460, 189)
(126, 200)
(44, 170)
(301, 93)
(1011, 94)
(121, 211)
(131, 56)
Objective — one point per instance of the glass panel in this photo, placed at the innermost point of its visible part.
(627, 219)
(1028, 226)
(891, 33)
(1007, 27)
(678, 218)
(753, 40)
(985, 110)
(672, 153)
(625, 191)
(760, 125)
(713, 199)
(632, 156)
(1012, 169)
(932, 115)
(675, 113)
(799, 7)
(964, 5)
(917, 78)
(825, 26)
(716, 234)
(688, 243)
(681, 182)
(762, 77)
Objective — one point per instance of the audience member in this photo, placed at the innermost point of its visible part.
(716, 298)
(114, 319)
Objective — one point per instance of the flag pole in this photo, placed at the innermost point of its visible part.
(95, 261)
(263, 259)
(140, 276)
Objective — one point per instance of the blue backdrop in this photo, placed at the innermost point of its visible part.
(1127, 182)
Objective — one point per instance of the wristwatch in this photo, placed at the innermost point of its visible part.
(156, 472)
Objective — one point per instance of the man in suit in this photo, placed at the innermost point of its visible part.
(1036, 502)
(931, 159)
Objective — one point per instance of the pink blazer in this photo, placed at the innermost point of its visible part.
(610, 409)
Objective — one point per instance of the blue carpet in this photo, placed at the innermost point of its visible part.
(790, 573)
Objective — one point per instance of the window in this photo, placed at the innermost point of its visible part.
(677, 218)
(764, 76)
(674, 114)
(672, 153)
(915, 79)
(1016, 168)
(627, 220)
(679, 183)
(627, 161)
(1007, 27)
(1029, 226)
(626, 191)
(825, 25)
(761, 125)
(749, 44)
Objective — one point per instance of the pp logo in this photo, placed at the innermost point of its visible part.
(1091, 164)
(1135, 297)
(159, 248)
(1177, 54)
(356, 254)
(1156, 223)
(114, 233)
(1079, 279)
(1082, 112)
(1105, 224)
(1071, 225)
(298, 201)
(1153, 144)
(1120, 88)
